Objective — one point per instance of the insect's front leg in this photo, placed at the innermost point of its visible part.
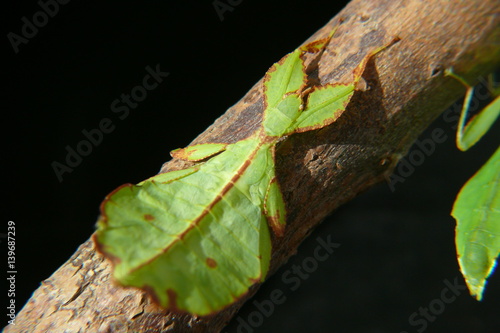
(198, 152)
(274, 205)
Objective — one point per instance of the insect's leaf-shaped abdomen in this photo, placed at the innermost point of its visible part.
(196, 243)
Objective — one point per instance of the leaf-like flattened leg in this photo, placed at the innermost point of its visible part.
(324, 106)
(171, 176)
(289, 74)
(274, 208)
(198, 152)
(320, 44)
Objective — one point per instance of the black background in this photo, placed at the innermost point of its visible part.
(397, 247)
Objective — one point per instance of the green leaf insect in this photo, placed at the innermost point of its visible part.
(197, 239)
(477, 211)
(469, 134)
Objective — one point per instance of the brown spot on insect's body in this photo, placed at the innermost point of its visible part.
(211, 263)
(278, 228)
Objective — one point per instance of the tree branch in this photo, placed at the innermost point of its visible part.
(319, 170)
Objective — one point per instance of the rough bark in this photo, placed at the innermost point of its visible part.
(319, 170)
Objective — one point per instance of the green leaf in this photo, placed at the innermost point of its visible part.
(477, 211)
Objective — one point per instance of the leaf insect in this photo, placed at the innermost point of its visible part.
(197, 239)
